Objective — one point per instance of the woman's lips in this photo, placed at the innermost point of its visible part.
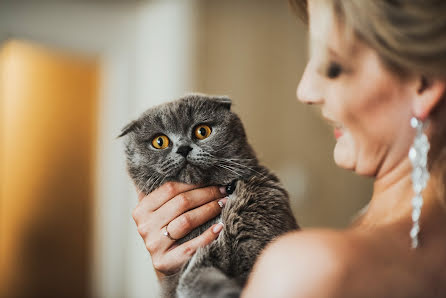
(338, 127)
(338, 132)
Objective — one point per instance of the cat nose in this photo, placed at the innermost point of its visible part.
(184, 150)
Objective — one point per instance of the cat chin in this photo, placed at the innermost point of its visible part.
(188, 174)
(193, 174)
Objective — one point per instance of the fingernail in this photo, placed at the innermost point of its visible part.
(222, 202)
(217, 228)
(222, 190)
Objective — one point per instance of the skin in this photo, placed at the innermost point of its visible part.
(181, 208)
(372, 108)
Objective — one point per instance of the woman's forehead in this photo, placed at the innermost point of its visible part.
(328, 36)
(320, 18)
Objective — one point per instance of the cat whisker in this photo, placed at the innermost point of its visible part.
(236, 169)
(146, 184)
(240, 165)
(233, 158)
(162, 181)
(238, 159)
(143, 183)
(230, 165)
(153, 180)
(229, 169)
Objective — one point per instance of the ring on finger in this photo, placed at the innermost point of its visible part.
(167, 234)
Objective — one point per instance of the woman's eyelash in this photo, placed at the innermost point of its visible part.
(334, 70)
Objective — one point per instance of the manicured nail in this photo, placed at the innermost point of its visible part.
(222, 190)
(217, 228)
(222, 202)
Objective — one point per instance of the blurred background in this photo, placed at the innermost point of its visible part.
(73, 73)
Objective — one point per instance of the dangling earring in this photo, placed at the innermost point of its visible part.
(420, 175)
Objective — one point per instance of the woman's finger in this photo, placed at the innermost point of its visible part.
(182, 253)
(162, 194)
(141, 195)
(186, 222)
(186, 201)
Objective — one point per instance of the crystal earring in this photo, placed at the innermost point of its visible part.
(420, 174)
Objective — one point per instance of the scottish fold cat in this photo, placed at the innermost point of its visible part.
(197, 139)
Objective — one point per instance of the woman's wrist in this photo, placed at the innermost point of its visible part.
(160, 275)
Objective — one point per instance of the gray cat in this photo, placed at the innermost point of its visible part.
(199, 140)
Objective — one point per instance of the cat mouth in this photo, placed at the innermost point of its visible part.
(185, 165)
(188, 167)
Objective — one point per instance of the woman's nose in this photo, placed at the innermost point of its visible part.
(308, 90)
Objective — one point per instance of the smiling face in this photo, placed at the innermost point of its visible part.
(369, 105)
(194, 140)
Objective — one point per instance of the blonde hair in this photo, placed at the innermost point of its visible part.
(409, 36)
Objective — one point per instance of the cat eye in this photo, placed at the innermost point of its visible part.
(160, 142)
(202, 131)
(334, 70)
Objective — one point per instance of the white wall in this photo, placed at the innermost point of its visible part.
(145, 52)
(163, 71)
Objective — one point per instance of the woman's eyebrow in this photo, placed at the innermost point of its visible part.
(317, 45)
(335, 54)
(330, 56)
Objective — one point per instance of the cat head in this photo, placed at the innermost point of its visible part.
(196, 139)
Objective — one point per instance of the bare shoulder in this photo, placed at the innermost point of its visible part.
(312, 263)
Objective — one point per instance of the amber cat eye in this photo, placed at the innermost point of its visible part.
(202, 131)
(160, 142)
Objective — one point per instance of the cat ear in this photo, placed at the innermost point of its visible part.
(225, 101)
(129, 127)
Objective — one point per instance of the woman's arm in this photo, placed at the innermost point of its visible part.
(182, 207)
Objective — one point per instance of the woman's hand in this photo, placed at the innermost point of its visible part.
(177, 208)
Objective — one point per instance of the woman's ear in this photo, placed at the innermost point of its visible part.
(429, 93)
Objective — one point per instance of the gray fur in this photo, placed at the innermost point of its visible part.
(257, 212)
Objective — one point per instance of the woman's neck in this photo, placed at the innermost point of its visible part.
(391, 201)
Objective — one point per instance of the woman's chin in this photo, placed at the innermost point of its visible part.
(344, 153)
(346, 157)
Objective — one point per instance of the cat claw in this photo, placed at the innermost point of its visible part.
(230, 188)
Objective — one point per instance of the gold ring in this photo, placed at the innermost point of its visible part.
(167, 234)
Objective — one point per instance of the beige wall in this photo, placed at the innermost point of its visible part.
(255, 51)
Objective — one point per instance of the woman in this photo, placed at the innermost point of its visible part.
(378, 73)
